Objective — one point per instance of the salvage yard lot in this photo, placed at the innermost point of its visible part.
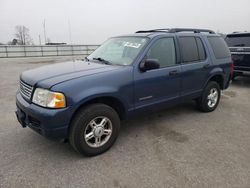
(176, 147)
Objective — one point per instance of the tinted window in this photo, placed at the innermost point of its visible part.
(219, 47)
(238, 40)
(201, 50)
(164, 51)
(189, 49)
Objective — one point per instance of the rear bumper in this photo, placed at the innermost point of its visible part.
(242, 69)
(51, 123)
(241, 73)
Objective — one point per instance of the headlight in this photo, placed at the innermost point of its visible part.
(46, 98)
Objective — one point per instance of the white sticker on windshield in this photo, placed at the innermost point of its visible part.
(132, 45)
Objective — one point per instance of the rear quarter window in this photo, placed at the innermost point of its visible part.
(219, 47)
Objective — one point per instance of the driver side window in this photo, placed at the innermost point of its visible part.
(164, 51)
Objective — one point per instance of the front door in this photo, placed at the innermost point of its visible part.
(158, 85)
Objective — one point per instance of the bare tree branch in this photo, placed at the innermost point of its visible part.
(22, 35)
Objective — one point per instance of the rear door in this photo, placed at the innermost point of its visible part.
(194, 64)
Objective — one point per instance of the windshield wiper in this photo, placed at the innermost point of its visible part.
(102, 60)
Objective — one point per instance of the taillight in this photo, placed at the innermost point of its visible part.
(232, 67)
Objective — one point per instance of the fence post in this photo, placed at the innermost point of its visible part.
(6, 50)
(42, 50)
(24, 50)
(87, 47)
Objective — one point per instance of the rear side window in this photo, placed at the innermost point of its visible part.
(219, 47)
(189, 49)
(201, 50)
(241, 40)
(192, 49)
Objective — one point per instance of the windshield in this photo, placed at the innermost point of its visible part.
(238, 40)
(120, 51)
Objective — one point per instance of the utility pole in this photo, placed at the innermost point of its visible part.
(44, 31)
(24, 33)
(70, 39)
(40, 39)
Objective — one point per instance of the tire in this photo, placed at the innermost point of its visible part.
(94, 129)
(208, 102)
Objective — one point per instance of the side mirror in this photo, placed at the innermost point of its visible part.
(149, 64)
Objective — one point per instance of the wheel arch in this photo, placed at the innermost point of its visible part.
(111, 101)
(216, 77)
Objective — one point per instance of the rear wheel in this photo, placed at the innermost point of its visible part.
(210, 97)
(94, 129)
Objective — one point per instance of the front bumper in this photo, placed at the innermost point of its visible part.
(51, 123)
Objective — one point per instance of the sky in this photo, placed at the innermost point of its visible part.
(93, 21)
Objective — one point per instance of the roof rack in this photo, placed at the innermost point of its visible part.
(176, 30)
(153, 30)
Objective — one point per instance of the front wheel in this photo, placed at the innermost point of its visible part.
(210, 97)
(94, 129)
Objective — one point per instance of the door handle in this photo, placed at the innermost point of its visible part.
(174, 72)
(206, 66)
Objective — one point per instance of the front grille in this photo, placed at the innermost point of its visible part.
(26, 90)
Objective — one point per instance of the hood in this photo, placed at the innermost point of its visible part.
(49, 75)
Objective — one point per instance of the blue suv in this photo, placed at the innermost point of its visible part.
(83, 101)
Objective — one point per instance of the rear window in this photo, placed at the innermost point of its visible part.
(219, 47)
(238, 40)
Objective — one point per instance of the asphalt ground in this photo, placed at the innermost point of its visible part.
(176, 147)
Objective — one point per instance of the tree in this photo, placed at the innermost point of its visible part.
(14, 42)
(22, 35)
